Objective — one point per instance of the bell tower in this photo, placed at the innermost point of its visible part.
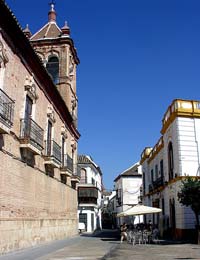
(55, 47)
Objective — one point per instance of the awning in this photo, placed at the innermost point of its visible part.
(139, 210)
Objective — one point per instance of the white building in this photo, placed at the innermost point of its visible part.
(89, 193)
(175, 156)
(127, 186)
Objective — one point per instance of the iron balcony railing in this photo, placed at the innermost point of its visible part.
(158, 182)
(32, 133)
(67, 163)
(52, 149)
(150, 187)
(77, 170)
(6, 109)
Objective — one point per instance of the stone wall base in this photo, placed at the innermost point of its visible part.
(17, 234)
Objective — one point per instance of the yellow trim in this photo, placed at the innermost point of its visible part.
(145, 154)
(159, 145)
(180, 108)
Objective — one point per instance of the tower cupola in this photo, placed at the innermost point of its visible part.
(52, 13)
(65, 29)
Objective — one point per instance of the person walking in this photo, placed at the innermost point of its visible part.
(123, 230)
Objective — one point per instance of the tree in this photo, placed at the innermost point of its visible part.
(189, 195)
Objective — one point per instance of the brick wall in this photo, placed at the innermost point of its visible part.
(33, 206)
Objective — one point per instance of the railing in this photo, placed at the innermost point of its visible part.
(77, 170)
(150, 187)
(158, 182)
(6, 109)
(53, 149)
(67, 163)
(32, 133)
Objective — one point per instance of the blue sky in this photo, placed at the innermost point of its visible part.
(136, 57)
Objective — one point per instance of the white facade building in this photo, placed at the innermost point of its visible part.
(89, 193)
(127, 186)
(172, 159)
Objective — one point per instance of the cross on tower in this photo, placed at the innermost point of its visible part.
(52, 4)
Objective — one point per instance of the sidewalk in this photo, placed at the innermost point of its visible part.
(164, 251)
(105, 245)
(83, 247)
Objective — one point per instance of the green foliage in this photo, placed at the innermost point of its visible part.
(189, 194)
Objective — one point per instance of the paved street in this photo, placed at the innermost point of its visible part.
(84, 247)
(155, 252)
(105, 246)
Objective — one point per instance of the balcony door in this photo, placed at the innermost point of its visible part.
(27, 116)
(63, 152)
(49, 138)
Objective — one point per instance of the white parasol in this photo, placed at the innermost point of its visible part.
(139, 210)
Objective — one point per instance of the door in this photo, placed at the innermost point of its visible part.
(27, 117)
(63, 152)
(83, 219)
(49, 138)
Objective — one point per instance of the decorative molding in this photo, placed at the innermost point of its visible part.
(73, 101)
(51, 113)
(73, 145)
(3, 57)
(71, 66)
(30, 87)
(64, 132)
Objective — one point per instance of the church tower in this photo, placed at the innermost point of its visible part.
(58, 54)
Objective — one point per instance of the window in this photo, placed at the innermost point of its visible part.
(93, 181)
(170, 161)
(63, 151)
(3, 61)
(161, 169)
(49, 138)
(83, 176)
(53, 68)
(156, 172)
(27, 116)
(152, 176)
(144, 183)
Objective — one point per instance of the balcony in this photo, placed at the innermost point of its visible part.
(67, 165)
(6, 112)
(76, 174)
(31, 136)
(158, 183)
(87, 195)
(150, 188)
(52, 155)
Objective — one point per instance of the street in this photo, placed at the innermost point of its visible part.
(105, 245)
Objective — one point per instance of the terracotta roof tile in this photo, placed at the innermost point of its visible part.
(50, 30)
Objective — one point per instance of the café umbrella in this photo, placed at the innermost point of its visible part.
(139, 210)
